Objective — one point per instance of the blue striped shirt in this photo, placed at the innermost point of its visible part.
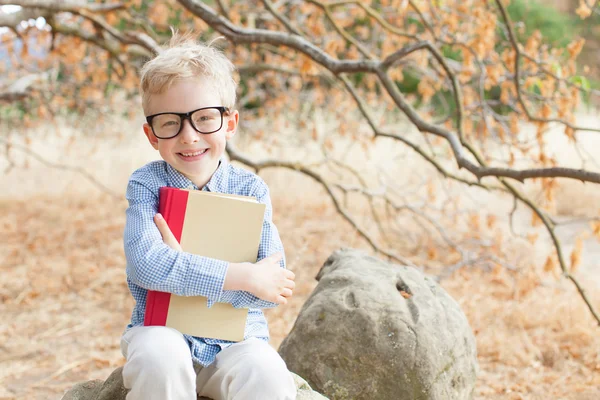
(153, 265)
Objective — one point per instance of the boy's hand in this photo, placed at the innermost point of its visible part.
(265, 279)
(270, 282)
(165, 232)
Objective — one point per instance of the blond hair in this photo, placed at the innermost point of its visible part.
(185, 58)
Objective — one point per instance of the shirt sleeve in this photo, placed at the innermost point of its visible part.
(270, 243)
(153, 265)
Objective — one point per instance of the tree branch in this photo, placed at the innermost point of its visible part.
(349, 38)
(247, 36)
(21, 88)
(49, 164)
(363, 109)
(223, 8)
(257, 166)
(284, 21)
(13, 20)
(463, 162)
(64, 5)
(517, 77)
(241, 35)
(263, 67)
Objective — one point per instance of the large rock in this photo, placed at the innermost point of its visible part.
(374, 330)
(112, 389)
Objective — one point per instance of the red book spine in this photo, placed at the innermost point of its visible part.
(171, 205)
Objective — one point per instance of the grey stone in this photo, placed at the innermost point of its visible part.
(305, 392)
(375, 330)
(113, 389)
(84, 390)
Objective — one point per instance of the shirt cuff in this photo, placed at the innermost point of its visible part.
(207, 279)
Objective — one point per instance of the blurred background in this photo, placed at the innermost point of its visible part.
(354, 107)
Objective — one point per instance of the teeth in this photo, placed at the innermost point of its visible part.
(193, 154)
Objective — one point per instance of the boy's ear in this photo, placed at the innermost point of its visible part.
(232, 123)
(151, 138)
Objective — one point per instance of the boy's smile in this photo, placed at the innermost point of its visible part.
(194, 154)
(190, 156)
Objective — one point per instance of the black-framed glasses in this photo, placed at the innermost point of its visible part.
(204, 120)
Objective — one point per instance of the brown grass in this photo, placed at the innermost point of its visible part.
(64, 301)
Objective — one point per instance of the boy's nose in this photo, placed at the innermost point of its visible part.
(188, 134)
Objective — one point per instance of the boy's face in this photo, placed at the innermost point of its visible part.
(194, 154)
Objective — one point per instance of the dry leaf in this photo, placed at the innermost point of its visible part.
(535, 220)
(576, 255)
(596, 229)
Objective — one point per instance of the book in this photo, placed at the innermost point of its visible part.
(222, 226)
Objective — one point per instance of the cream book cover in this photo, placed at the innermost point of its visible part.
(225, 227)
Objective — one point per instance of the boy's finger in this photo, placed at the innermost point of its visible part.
(290, 275)
(165, 231)
(290, 284)
(276, 256)
(162, 226)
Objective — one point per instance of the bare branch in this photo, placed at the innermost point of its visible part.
(13, 20)
(123, 47)
(284, 21)
(145, 41)
(64, 5)
(263, 67)
(584, 295)
(550, 227)
(349, 38)
(223, 8)
(146, 45)
(242, 35)
(463, 162)
(257, 166)
(553, 172)
(517, 77)
(392, 58)
(137, 38)
(73, 30)
(361, 180)
(423, 19)
(247, 36)
(10, 97)
(375, 15)
(468, 261)
(77, 170)
(21, 88)
(567, 82)
(363, 108)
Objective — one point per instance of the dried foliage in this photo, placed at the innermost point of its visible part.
(65, 302)
(454, 71)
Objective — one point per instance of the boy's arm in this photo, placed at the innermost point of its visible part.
(270, 243)
(152, 264)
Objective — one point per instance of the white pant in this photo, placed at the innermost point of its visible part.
(159, 367)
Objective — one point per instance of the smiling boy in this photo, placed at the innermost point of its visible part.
(188, 97)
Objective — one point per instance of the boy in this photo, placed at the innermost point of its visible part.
(188, 95)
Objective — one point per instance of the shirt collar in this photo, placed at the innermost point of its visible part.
(217, 182)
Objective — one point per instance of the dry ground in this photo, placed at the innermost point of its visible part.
(64, 301)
